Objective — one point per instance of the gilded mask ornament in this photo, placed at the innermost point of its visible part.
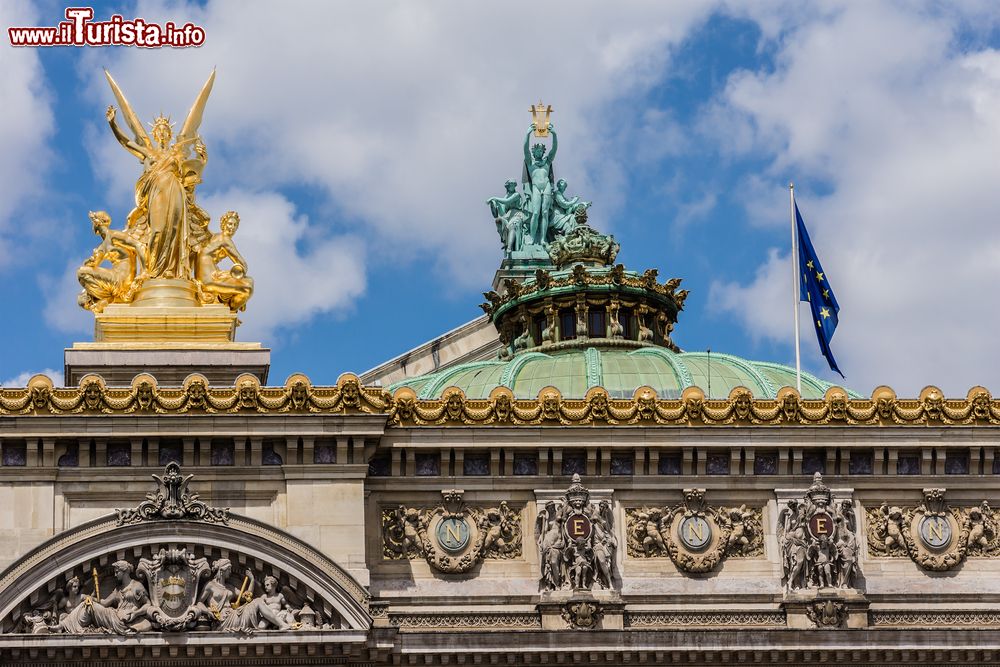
(503, 407)
(452, 537)
(298, 396)
(455, 406)
(93, 395)
(351, 393)
(696, 537)
(197, 394)
(933, 404)
(790, 407)
(144, 395)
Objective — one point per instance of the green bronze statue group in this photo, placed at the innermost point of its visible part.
(529, 221)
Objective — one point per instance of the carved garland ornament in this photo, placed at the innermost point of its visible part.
(934, 535)
(452, 537)
(696, 537)
(403, 408)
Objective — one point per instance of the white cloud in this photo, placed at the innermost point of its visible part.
(406, 117)
(875, 101)
(21, 379)
(298, 271)
(27, 123)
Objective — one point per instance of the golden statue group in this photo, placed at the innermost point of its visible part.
(166, 241)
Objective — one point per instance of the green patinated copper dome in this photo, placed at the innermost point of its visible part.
(619, 371)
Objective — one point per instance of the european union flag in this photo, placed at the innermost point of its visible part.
(815, 289)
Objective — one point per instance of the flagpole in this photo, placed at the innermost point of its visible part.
(795, 286)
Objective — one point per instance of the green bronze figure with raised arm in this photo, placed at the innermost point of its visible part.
(539, 187)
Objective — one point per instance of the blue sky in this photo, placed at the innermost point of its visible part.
(359, 142)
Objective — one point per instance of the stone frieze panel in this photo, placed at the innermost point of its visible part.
(695, 536)
(452, 537)
(934, 535)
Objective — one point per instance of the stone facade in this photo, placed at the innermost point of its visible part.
(424, 531)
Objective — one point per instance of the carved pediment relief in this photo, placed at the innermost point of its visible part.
(176, 564)
(164, 587)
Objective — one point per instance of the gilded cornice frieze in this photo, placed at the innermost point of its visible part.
(501, 408)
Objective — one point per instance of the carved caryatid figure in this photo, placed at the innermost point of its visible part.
(230, 286)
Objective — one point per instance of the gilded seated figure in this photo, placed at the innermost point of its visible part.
(103, 285)
(229, 286)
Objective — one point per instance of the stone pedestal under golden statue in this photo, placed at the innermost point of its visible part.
(167, 332)
(165, 290)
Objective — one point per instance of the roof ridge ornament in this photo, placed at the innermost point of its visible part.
(172, 501)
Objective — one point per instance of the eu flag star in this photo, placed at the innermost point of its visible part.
(816, 290)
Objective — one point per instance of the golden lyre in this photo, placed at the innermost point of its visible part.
(243, 588)
(540, 117)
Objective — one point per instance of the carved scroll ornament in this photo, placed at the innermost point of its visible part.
(172, 500)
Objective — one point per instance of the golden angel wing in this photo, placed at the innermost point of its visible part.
(193, 121)
(130, 118)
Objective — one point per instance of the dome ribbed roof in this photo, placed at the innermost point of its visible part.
(620, 372)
